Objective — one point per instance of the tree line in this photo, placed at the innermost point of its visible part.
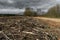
(53, 12)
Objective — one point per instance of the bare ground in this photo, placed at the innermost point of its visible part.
(53, 23)
(30, 25)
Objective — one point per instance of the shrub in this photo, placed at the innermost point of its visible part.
(29, 12)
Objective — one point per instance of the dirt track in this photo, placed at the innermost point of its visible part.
(53, 23)
(51, 19)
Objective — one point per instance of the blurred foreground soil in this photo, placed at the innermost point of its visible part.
(28, 28)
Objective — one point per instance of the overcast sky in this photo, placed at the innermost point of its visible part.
(6, 5)
(24, 3)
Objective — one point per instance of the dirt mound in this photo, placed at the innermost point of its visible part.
(24, 28)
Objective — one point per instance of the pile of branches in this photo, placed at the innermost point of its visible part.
(24, 28)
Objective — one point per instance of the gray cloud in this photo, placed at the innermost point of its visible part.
(19, 4)
(23, 3)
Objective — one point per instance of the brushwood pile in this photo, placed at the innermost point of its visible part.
(24, 28)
